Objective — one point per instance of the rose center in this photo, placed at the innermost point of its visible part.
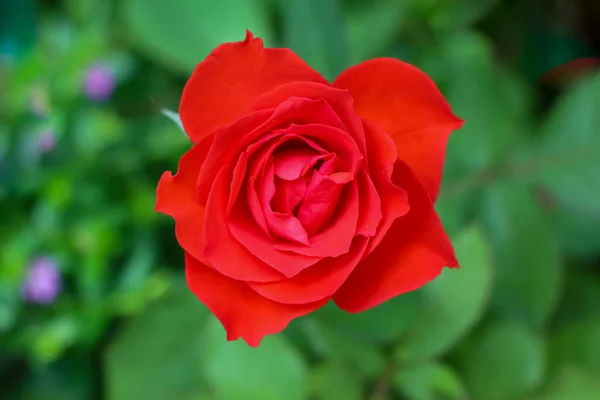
(304, 187)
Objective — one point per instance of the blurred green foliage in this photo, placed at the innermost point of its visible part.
(521, 200)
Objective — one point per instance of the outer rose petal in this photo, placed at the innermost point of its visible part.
(232, 140)
(370, 214)
(242, 311)
(413, 252)
(339, 100)
(406, 103)
(226, 254)
(317, 282)
(176, 196)
(223, 86)
(394, 200)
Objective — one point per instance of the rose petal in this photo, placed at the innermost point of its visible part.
(242, 227)
(336, 238)
(221, 249)
(394, 200)
(369, 215)
(286, 226)
(230, 141)
(224, 85)
(332, 140)
(406, 103)
(288, 194)
(242, 311)
(176, 196)
(292, 163)
(339, 100)
(317, 282)
(414, 251)
(321, 200)
(262, 182)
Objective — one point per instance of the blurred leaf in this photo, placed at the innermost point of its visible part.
(545, 46)
(67, 379)
(503, 362)
(579, 230)
(580, 299)
(571, 383)
(456, 14)
(336, 345)
(372, 28)
(94, 130)
(456, 210)
(141, 261)
(49, 342)
(334, 381)
(528, 265)
(453, 302)
(17, 27)
(492, 102)
(157, 354)
(315, 30)
(384, 323)
(568, 157)
(181, 34)
(578, 344)
(8, 306)
(429, 381)
(173, 116)
(236, 371)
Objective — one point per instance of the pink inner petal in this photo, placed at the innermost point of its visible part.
(284, 225)
(288, 194)
(321, 200)
(292, 163)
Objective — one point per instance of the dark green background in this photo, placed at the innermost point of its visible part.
(520, 200)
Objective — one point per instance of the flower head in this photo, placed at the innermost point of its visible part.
(297, 191)
(99, 83)
(42, 282)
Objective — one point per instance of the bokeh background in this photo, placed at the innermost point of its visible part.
(93, 303)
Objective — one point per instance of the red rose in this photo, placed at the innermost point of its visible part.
(297, 191)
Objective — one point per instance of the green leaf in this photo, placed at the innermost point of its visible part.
(568, 158)
(453, 302)
(579, 230)
(315, 30)
(577, 344)
(503, 362)
(334, 344)
(334, 381)
(180, 34)
(70, 378)
(235, 371)
(382, 324)
(528, 265)
(372, 28)
(580, 299)
(173, 116)
(492, 102)
(157, 354)
(571, 383)
(429, 381)
(455, 14)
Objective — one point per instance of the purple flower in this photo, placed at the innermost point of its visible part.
(99, 83)
(43, 282)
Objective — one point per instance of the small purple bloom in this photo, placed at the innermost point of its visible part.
(43, 282)
(99, 83)
(47, 141)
